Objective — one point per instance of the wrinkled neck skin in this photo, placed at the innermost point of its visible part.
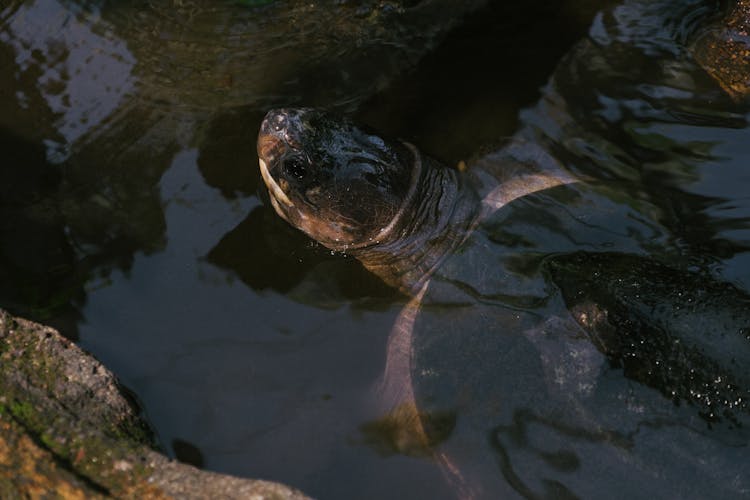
(433, 222)
(447, 205)
(436, 218)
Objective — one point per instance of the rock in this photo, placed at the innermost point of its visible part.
(724, 50)
(68, 427)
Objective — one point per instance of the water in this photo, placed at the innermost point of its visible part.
(135, 221)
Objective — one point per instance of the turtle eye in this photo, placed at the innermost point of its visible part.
(295, 167)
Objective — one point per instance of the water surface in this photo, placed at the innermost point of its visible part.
(134, 219)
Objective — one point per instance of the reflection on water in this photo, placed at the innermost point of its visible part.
(79, 69)
(106, 93)
(130, 219)
(651, 115)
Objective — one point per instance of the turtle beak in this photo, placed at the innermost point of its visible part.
(271, 146)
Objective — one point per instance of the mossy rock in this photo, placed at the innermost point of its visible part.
(68, 430)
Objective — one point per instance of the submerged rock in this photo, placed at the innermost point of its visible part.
(68, 427)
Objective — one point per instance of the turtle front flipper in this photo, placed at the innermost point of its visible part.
(404, 428)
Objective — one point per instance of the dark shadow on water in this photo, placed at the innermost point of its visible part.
(465, 97)
(228, 159)
(187, 453)
(266, 253)
(65, 226)
(38, 275)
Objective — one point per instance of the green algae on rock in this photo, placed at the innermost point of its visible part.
(68, 430)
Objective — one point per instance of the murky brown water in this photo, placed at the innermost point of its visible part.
(133, 216)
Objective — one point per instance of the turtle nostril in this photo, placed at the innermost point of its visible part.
(278, 122)
(296, 168)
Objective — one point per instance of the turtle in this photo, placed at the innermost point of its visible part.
(426, 229)
(516, 386)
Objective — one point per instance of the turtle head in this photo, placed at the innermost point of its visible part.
(338, 182)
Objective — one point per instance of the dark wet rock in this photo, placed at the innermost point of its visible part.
(724, 50)
(680, 332)
(66, 426)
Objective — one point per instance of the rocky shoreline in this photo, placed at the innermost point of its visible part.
(69, 430)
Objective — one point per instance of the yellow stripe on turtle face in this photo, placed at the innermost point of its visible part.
(276, 191)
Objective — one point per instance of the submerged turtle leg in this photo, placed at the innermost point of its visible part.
(524, 185)
(520, 169)
(405, 428)
(395, 392)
